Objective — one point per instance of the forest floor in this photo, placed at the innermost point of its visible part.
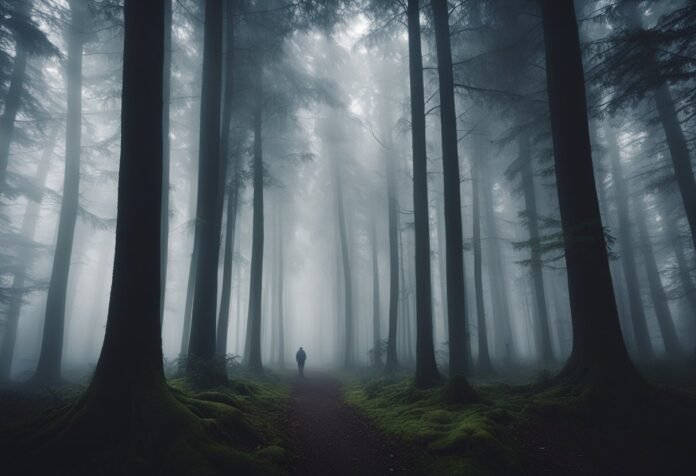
(242, 422)
(534, 429)
(330, 437)
(362, 423)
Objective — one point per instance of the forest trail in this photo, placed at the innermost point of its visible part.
(331, 438)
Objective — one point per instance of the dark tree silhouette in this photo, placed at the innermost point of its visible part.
(628, 255)
(536, 263)
(232, 189)
(483, 365)
(166, 99)
(598, 352)
(673, 348)
(204, 313)
(253, 340)
(427, 374)
(50, 359)
(29, 225)
(376, 304)
(454, 245)
(13, 99)
(392, 207)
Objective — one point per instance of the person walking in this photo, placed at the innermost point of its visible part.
(301, 356)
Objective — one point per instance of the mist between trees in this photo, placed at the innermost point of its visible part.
(395, 184)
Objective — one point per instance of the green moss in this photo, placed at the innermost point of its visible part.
(466, 438)
(274, 454)
(488, 435)
(183, 431)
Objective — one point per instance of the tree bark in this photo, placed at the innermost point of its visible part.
(427, 373)
(13, 100)
(203, 319)
(599, 354)
(454, 244)
(128, 397)
(49, 367)
(166, 99)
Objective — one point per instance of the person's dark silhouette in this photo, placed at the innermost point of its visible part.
(301, 356)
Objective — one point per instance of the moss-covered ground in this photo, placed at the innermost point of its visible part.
(240, 426)
(541, 428)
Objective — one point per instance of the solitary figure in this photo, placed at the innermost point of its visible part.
(301, 356)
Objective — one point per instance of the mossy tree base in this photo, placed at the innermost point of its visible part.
(164, 432)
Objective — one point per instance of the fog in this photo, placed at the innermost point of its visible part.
(335, 122)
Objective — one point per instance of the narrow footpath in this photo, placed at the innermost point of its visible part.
(331, 438)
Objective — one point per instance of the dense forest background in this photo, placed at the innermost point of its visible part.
(462, 191)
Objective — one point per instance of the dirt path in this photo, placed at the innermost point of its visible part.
(331, 438)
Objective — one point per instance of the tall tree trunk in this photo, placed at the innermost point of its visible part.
(348, 357)
(190, 292)
(226, 292)
(484, 366)
(392, 361)
(232, 193)
(166, 99)
(683, 266)
(679, 151)
(376, 304)
(203, 319)
(497, 281)
(427, 374)
(599, 354)
(404, 297)
(128, 396)
(29, 223)
(456, 305)
(50, 359)
(193, 266)
(253, 350)
(441, 259)
(614, 265)
(536, 263)
(657, 291)
(676, 142)
(280, 296)
(628, 258)
(238, 298)
(13, 100)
